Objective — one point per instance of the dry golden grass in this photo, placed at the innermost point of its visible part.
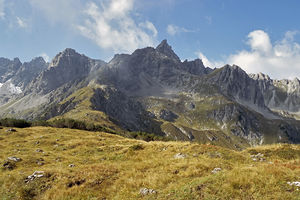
(112, 167)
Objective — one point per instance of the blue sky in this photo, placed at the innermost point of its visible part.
(258, 35)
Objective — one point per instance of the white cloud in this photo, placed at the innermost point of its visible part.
(259, 41)
(173, 30)
(45, 57)
(21, 22)
(112, 27)
(2, 13)
(106, 22)
(280, 59)
(209, 63)
(148, 25)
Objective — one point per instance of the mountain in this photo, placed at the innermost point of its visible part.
(152, 90)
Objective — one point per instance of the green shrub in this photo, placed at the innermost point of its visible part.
(10, 122)
(147, 136)
(76, 124)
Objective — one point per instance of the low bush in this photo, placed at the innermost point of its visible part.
(10, 122)
(77, 124)
(147, 136)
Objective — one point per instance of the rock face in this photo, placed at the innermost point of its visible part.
(66, 67)
(152, 90)
(279, 94)
(150, 71)
(8, 68)
(28, 71)
(235, 83)
(123, 110)
(165, 49)
(15, 76)
(196, 67)
(167, 115)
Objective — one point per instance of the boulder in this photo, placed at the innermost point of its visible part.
(216, 170)
(180, 156)
(146, 191)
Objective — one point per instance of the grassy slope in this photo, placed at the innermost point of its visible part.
(83, 110)
(113, 167)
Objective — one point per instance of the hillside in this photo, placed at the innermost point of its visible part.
(153, 91)
(50, 163)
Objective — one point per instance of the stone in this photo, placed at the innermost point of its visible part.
(296, 183)
(36, 174)
(258, 157)
(15, 159)
(146, 191)
(39, 151)
(11, 130)
(71, 165)
(180, 156)
(216, 170)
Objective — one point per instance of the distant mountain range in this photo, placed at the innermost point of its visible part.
(153, 91)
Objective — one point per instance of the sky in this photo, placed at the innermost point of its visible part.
(257, 35)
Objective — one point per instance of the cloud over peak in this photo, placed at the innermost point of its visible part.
(259, 41)
(279, 59)
(174, 30)
(112, 27)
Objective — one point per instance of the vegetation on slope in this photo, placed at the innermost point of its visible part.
(77, 164)
(83, 108)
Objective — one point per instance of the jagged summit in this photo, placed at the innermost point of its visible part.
(260, 76)
(196, 67)
(38, 59)
(6, 60)
(65, 56)
(166, 49)
(69, 51)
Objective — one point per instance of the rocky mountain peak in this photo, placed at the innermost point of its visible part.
(196, 67)
(8, 68)
(36, 65)
(38, 60)
(166, 49)
(17, 60)
(65, 57)
(67, 66)
(235, 82)
(233, 71)
(260, 77)
(296, 81)
(69, 52)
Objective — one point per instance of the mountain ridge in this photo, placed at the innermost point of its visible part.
(152, 90)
